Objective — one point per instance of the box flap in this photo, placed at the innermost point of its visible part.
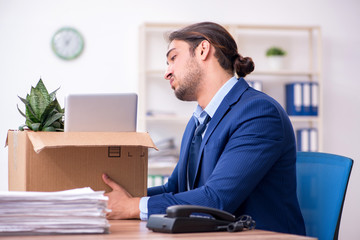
(7, 137)
(41, 140)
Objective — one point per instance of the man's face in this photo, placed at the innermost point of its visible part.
(183, 72)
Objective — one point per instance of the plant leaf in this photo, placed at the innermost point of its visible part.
(23, 100)
(44, 92)
(35, 126)
(37, 102)
(28, 121)
(30, 114)
(23, 114)
(56, 124)
(53, 94)
(52, 119)
(58, 107)
(47, 112)
(49, 129)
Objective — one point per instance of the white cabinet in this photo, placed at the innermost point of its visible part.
(165, 117)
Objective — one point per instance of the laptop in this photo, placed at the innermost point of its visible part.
(101, 112)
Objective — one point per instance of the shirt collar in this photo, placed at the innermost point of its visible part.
(200, 114)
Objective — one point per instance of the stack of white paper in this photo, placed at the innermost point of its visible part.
(66, 212)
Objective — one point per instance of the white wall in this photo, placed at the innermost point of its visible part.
(110, 60)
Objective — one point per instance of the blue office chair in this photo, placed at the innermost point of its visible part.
(322, 180)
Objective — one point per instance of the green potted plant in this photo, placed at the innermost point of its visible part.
(42, 110)
(275, 56)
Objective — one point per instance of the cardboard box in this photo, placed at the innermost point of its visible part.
(53, 161)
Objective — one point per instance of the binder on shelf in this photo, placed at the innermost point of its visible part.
(307, 139)
(257, 85)
(314, 99)
(294, 99)
(306, 98)
(302, 99)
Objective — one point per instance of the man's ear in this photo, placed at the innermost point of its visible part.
(204, 49)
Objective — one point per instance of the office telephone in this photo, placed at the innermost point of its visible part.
(191, 218)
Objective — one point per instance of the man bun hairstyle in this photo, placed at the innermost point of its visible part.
(243, 65)
(226, 50)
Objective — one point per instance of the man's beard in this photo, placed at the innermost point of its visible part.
(188, 87)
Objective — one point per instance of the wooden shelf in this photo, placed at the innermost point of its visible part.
(304, 118)
(285, 73)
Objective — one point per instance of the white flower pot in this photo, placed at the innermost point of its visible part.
(276, 62)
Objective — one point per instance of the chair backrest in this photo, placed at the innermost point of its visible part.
(322, 179)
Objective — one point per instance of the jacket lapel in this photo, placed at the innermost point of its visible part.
(231, 98)
(184, 153)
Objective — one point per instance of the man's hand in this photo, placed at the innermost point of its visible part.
(121, 203)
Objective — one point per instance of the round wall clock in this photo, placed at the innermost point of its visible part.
(67, 43)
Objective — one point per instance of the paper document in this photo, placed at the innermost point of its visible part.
(66, 212)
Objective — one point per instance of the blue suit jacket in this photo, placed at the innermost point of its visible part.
(247, 165)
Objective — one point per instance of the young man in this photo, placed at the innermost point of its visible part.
(245, 163)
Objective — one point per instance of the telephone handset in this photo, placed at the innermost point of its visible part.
(191, 218)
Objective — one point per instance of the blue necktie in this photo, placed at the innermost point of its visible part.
(194, 150)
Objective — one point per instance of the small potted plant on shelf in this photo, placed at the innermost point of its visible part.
(275, 56)
(42, 110)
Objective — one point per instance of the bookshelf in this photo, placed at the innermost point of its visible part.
(165, 117)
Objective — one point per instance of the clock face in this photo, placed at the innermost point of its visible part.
(67, 43)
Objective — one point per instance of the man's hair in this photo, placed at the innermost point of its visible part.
(225, 46)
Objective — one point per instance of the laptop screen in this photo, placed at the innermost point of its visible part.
(101, 112)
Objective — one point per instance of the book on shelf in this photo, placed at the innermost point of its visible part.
(302, 98)
(307, 139)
